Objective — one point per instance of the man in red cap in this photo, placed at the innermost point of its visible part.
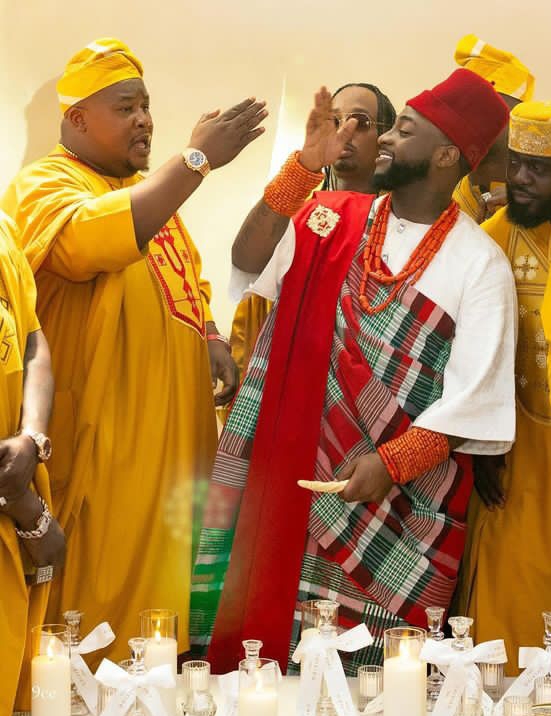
(387, 361)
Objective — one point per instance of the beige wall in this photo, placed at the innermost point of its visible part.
(209, 53)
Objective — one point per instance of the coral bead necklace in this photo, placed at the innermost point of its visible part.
(417, 263)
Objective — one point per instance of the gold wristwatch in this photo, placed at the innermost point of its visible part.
(196, 160)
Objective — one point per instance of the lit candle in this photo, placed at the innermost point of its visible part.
(51, 683)
(404, 684)
(258, 701)
(160, 651)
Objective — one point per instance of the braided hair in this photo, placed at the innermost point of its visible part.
(386, 116)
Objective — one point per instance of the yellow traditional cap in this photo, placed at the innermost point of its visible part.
(530, 128)
(502, 69)
(100, 64)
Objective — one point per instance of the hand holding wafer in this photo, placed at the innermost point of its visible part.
(318, 486)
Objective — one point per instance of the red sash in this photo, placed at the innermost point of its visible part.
(262, 581)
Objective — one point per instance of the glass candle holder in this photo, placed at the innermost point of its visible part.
(72, 619)
(198, 701)
(370, 684)
(547, 630)
(517, 706)
(51, 670)
(492, 679)
(435, 679)
(134, 666)
(321, 616)
(542, 690)
(460, 630)
(159, 628)
(471, 700)
(258, 687)
(471, 705)
(404, 674)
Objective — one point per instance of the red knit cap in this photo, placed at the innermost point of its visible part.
(468, 110)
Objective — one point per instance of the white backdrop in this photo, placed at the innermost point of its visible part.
(212, 53)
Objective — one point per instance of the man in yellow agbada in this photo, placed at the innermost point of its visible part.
(123, 305)
(480, 193)
(506, 581)
(28, 534)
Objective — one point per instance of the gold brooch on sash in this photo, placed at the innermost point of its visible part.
(322, 220)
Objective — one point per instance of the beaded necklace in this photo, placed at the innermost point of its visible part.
(417, 263)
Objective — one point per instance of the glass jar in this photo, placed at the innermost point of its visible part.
(50, 670)
(404, 674)
(73, 619)
(198, 700)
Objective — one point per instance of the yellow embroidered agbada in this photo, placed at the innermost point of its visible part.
(133, 423)
(20, 607)
(469, 198)
(248, 319)
(506, 580)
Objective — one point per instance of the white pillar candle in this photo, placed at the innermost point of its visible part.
(404, 686)
(160, 651)
(258, 701)
(51, 685)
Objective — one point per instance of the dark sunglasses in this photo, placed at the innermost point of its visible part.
(364, 120)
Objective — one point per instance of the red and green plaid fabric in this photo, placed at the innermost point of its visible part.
(383, 562)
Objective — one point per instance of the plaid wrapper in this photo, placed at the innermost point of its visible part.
(384, 563)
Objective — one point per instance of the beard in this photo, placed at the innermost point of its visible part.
(528, 215)
(400, 174)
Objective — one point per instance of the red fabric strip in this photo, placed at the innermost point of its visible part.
(262, 580)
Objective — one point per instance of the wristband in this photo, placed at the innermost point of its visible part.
(412, 454)
(219, 337)
(288, 191)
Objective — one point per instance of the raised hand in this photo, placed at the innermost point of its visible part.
(324, 142)
(222, 135)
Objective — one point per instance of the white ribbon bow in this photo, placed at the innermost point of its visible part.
(83, 679)
(319, 659)
(461, 671)
(229, 690)
(536, 662)
(130, 687)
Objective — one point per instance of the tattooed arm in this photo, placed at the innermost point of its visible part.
(257, 238)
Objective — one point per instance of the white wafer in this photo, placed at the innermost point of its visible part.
(318, 486)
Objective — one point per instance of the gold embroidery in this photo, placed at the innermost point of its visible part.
(530, 267)
(170, 260)
(322, 220)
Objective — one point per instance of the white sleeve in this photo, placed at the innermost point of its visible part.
(268, 283)
(478, 397)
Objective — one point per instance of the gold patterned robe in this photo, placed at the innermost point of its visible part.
(133, 423)
(21, 607)
(506, 580)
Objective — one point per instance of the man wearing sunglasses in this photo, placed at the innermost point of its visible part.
(388, 359)
(353, 170)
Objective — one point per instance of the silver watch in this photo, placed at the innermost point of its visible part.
(42, 524)
(42, 443)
